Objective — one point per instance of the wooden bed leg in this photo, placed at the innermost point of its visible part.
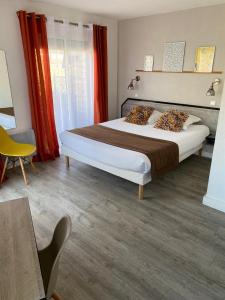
(67, 162)
(32, 164)
(200, 152)
(141, 192)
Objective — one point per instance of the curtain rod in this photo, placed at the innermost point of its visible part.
(61, 21)
(71, 23)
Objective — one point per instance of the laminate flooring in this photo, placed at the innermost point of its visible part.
(168, 246)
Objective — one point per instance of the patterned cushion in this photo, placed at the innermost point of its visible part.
(172, 120)
(139, 115)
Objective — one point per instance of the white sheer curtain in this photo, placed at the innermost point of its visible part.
(71, 62)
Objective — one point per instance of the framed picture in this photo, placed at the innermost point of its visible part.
(204, 59)
(173, 59)
(148, 64)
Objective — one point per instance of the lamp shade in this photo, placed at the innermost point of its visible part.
(211, 91)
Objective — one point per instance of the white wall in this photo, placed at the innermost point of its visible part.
(147, 35)
(10, 41)
(215, 196)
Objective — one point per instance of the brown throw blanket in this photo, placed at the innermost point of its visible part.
(7, 111)
(164, 155)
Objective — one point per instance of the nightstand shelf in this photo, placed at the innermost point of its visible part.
(211, 139)
(208, 146)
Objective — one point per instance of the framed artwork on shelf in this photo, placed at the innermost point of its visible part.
(148, 64)
(173, 59)
(204, 59)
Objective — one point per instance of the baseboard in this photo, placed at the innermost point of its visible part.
(215, 203)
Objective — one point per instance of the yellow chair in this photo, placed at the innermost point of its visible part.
(14, 151)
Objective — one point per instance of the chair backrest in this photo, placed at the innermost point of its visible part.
(6, 142)
(4, 137)
(61, 235)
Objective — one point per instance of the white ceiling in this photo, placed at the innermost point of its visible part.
(124, 9)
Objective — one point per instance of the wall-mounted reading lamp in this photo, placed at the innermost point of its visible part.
(133, 82)
(211, 90)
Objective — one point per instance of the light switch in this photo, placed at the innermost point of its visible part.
(212, 102)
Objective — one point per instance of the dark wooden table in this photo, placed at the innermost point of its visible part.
(20, 274)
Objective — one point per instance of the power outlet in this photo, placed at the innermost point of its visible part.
(212, 103)
(136, 95)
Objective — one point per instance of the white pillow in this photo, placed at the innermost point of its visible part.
(154, 117)
(190, 120)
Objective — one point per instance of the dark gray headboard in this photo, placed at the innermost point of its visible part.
(209, 115)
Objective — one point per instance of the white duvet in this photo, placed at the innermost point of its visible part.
(187, 141)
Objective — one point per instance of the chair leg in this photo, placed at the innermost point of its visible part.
(67, 162)
(56, 296)
(14, 163)
(23, 171)
(4, 169)
(32, 164)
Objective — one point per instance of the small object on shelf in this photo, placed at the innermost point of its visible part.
(148, 65)
(211, 139)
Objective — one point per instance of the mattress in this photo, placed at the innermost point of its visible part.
(187, 141)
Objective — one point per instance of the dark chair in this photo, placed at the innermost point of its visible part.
(49, 256)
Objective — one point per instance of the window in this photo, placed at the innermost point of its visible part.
(71, 62)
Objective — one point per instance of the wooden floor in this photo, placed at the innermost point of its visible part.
(167, 247)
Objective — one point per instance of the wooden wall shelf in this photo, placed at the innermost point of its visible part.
(186, 72)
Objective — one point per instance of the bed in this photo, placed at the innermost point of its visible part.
(128, 164)
(7, 121)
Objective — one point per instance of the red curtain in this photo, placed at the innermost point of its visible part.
(35, 46)
(100, 74)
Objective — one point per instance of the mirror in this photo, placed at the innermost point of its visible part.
(7, 116)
